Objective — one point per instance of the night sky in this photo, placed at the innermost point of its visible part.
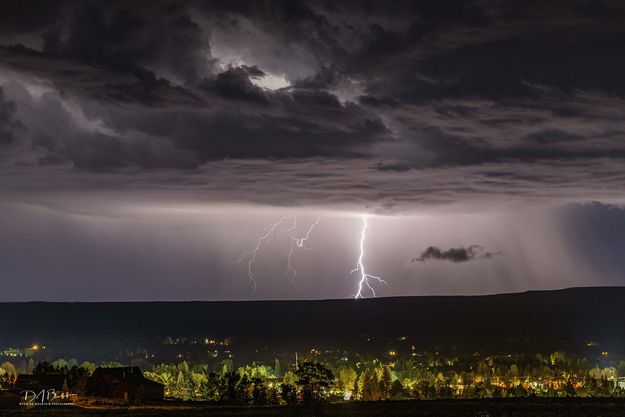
(144, 145)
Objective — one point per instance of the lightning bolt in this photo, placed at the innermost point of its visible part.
(288, 225)
(251, 254)
(360, 267)
(300, 243)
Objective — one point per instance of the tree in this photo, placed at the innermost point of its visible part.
(385, 382)
(277, 370)
(366, 393)
(259, 392)
(197, 382)
(30, 365)
(60, 363)
(346, 378)
(289, 378)
(315, 379)
(376, 393)
(8, 373)
(44, 368)
(355, 391)
(77, 377)
(445, 392)
(289, 393)
(209, 387)
(182, 387)
(396, 392)
(226, 367)
(89, 367)
(520, 391)
(10, 370)
(235, 388)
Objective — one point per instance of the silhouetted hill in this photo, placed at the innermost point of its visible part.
(535, 320)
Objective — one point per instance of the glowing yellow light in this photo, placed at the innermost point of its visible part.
(35, 347)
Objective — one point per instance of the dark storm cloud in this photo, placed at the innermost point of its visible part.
(498, 96)
(10, 126)
(140, 37)
(456, 255)
(28, 16)
(131, 86)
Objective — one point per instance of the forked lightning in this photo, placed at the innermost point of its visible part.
(287, 225)
(360, 267)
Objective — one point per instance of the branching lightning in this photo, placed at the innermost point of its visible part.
(299, 242)
(360, 267)
(251, 254)
(286, 225)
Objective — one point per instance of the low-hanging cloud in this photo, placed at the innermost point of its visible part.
(455, 255)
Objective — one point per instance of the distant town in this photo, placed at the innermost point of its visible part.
(209, 369)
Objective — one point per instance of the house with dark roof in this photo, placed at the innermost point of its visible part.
(42, 387)
(39, 382)
(126, 383)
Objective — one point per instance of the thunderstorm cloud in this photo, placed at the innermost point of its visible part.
(396, 105)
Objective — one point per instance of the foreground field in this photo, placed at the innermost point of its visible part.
(565, 407)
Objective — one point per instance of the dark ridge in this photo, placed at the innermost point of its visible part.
(534, 320)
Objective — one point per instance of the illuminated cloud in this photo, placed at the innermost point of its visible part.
(271, 82)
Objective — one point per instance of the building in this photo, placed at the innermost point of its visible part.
(42, 387)
(39, 382)
(127, 383)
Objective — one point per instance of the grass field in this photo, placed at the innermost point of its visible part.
(530, 407)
